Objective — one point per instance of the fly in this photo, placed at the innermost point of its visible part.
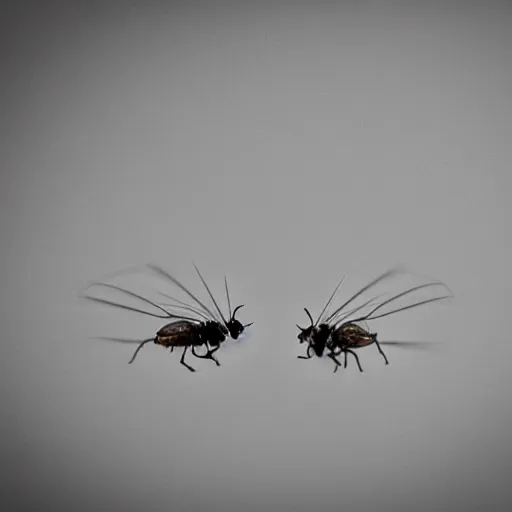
(200, 326)
(340, 333)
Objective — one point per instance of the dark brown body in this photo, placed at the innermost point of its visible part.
(332, 334)
(336, 341)
(351, 336)
(187, 332)
(179, 334)
(348, 337)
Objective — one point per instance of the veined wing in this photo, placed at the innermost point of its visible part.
(164, 313)
(380, 311)
(163, 273)
(341, 310)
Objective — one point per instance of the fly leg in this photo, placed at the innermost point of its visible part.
(182, 360)
(211, 352)
(380, 349)
(138, 348)
(338, 353)
(208, 355)
(332, 355)
(355, 355)
(308, 352)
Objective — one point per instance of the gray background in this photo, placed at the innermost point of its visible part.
(284, 144)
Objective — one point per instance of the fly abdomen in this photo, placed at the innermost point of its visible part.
(179, 334)
(352, 336)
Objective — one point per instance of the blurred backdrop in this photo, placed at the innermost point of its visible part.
(283, 144)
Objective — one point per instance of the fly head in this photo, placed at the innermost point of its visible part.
(236, 327)
(306, 334)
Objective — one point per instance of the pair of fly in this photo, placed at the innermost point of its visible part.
(332, 334)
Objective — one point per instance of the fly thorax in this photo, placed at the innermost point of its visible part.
(213, 333)
(320, 338)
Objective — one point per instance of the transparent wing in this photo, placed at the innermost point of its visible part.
(409, 298)
(163, 273)
(379, 279)
(365, 304)
(162, 312)
(178, 304)
(320, 320)
(414, 345)
(211, 296)
(134, 271)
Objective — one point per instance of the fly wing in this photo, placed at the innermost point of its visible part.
(211, 296)
(327, 304)
(370, 306)
(415, 345)
(156, 310)
(342, 310)
(164, 274)
(178, 304)
(409, 298)
(137, 271)
(128, 341)
(386, 275)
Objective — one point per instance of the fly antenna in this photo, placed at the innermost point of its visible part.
(235, 310)
(310, 317)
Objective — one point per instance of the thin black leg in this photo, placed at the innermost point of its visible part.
(182, 360)
(199, 356)
(338, 352)
(211, 352)
(356, 357)
(211, 356)
(337, 364)
(208, 355)
(308, 352)
(380, 349)
(138, 348)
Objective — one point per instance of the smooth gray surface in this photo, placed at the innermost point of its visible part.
(284, 145)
